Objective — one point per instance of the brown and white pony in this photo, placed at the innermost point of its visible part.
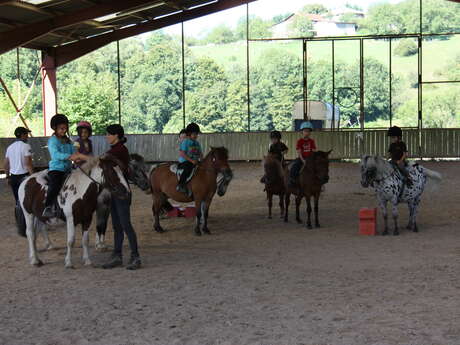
(77, 199)
(203, 186)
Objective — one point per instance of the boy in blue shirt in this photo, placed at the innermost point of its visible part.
(190, 154)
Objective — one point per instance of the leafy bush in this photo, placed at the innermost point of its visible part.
(406, 47)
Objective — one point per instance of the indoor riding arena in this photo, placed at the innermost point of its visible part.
(255, 279)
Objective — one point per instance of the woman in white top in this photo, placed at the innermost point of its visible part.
(18, 160)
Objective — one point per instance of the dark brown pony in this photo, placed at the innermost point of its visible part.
(313, 175)
(274, 182)
(203, 186)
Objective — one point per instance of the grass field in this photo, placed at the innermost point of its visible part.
(436, 54)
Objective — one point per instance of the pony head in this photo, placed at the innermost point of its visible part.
(137, 173)
(219, 161)
(369, 165)
(320, 165)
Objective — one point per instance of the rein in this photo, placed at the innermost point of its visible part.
(89, 176)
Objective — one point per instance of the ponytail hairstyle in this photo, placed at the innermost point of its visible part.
(118, 130)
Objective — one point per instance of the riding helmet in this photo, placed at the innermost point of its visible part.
(84, 124)
(306, 125)
(275, 135)
(57, 120)
(18, 132)
(192, 128)
(394, 131)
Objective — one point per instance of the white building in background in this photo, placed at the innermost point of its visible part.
(321, 26)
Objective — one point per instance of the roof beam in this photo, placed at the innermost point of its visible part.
(22, 35)
(69, 52)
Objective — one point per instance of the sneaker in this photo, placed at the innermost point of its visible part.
(134, 263)
(48, 212)
(115, 261)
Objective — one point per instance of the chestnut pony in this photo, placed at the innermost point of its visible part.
(274, 182)
(203, 186)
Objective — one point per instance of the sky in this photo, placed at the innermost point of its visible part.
(262, 8)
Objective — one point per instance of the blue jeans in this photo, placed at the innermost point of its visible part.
(121, 221)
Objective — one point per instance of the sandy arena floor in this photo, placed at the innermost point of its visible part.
(254, 281)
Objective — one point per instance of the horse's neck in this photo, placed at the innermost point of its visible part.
(207, 167)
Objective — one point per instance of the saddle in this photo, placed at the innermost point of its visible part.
(174, 168)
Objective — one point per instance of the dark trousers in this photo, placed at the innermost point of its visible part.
(295, 168)
(15, 181)
(188, 168)
(56, 179)
(402, 169)
(121, 221)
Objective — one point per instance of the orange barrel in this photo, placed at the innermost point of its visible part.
(368, 221)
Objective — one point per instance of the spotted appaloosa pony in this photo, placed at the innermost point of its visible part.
(274, 182)
(203, 186)
(314, 174)
(390, 187)
(77, 199)
(136, 175)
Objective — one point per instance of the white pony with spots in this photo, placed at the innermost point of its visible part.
(77, 199)
(390, 187)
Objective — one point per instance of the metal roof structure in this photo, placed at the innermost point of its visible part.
(68, 29)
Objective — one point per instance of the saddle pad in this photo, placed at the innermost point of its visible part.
(175, 170)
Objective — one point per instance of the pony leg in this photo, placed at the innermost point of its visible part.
(43, 230)
(413, 208)
(156, 207)
(198, 217)
(308, 212)
(102, 216)
(287, 200)
(298, 201)
(270, 204)
(70, 241)
(32, 239)
(281, 205)
(204, 214)
(395, 218)
(316, 209)
(85, 244)
(383, 208)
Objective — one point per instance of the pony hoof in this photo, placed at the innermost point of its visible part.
(299, 221)
(69, 266)
(385, 233)
(415, 229)
(269, 217)
(318, 225)
(87, 263)
(159, 229)
(38, 263)
(207, 232)
(309, 226)
(197, 233)
(285, 220)
(396, 233)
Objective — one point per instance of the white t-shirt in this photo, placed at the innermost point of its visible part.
(16, 154)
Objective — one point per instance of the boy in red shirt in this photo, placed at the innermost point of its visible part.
(305, 148)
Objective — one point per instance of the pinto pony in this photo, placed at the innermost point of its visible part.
(313, 175)
(274, 182)
(77, 200)
(390, 187)
(203, 187)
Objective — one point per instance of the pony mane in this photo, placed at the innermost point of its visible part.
(221, 152)
(89, 164)
(136, 157)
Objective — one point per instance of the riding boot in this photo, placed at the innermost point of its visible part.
(134, 263)
(115, 261)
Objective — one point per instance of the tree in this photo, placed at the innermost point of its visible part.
(220, 35)
(301, 26)
(258, 28)
(314, 9)
(406, 47)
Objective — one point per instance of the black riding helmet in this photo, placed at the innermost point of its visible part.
(20, 131)
(275, 135)
(192, 128)
(57, 120)
(394, 131)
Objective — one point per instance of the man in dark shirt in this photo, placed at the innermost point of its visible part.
(398, 152)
